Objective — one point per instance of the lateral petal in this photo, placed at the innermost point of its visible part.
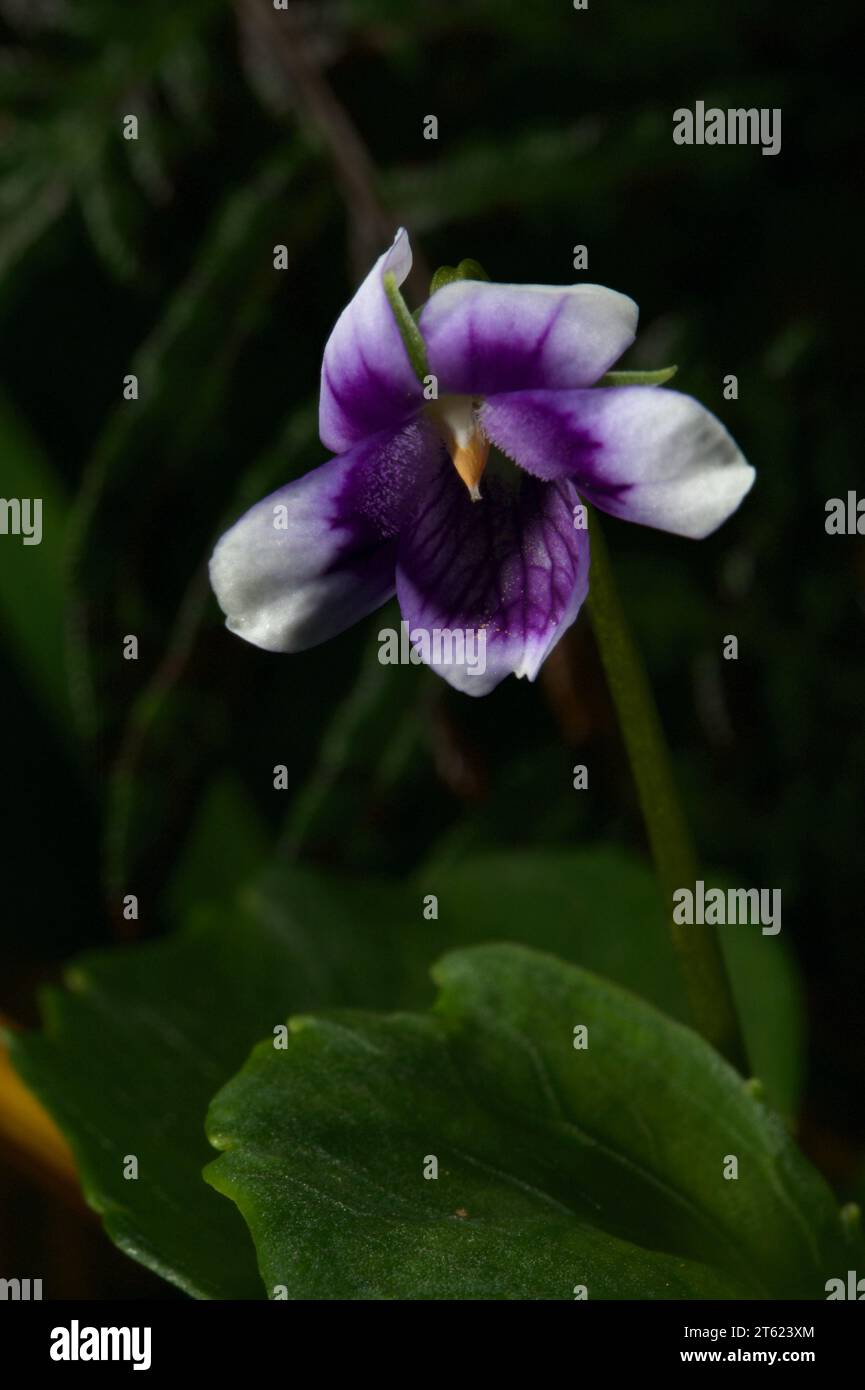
(643, 453)
(318, 555)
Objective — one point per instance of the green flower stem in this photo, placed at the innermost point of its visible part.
(697, 947)
(409, 331)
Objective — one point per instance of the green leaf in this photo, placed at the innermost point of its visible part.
(471, 270)
(656, 378)
(129, 1054)
(557, 1167)
(450, 274)
(135, 1046)
(600, 908)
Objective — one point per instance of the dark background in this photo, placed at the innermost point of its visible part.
(156, 257)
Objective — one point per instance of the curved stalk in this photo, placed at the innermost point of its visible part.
(697, 947)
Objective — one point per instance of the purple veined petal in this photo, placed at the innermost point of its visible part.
(319, 554)
(642, 453)
(512, 567)
(483, 338)
(367, 381)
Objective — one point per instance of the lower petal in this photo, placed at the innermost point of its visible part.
(642, 453)
(318, 555)
(488, 588)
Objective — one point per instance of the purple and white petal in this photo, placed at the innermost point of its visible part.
(319, 554)
(367, 380)
(485, 338)
(642, 453)
(489, 587)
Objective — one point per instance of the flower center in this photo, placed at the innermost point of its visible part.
(456, 419)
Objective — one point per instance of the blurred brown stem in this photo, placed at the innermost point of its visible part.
(371, 224)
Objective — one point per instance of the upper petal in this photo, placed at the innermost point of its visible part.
(317, 555)
(511, 567)
(367, 380)
(643, 453)
(484, 338)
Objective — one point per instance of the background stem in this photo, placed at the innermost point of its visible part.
(697, 947)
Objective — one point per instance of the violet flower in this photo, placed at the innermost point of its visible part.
(409, 505)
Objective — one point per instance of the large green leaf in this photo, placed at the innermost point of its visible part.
(600, 908)
(135, 1048)
(558, 1167)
